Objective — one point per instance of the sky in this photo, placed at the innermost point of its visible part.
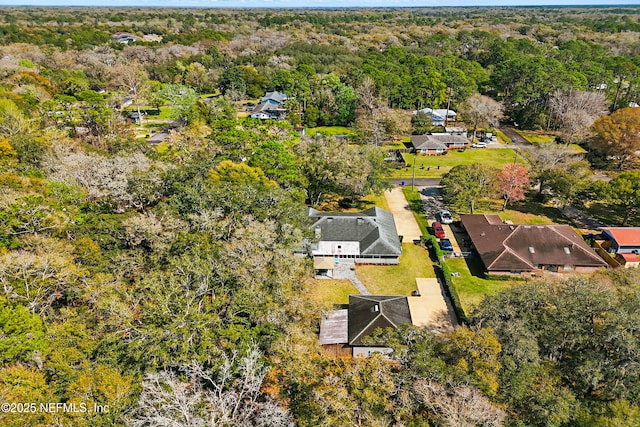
(309, 4)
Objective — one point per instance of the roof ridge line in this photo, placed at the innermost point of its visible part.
(365, 328)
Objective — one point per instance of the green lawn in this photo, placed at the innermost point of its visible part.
(539, 137)
(329, 130)
(327, 292)
(437, 166)
(527, 211)
(472, 288)
(397, 279)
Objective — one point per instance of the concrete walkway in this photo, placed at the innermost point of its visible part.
(345, 269)
(405, 221)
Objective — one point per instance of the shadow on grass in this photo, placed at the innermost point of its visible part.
(475, 266)
(533, 207)
(360, 204)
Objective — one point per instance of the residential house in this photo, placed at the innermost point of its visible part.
(342, 332)
(622, 239)
(275, 98)
(270, 107)
(439, 117)
(367, 237)
(509, 249)
(267, 111)
(437, 143)
(124, 38)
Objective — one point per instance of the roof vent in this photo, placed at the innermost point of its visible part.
(532, 250)
(329, 219)
(375, 308)
(483, 234)
(566, 250)
(511, 227)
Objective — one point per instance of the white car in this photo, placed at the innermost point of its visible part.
(479, 145)
(445, 217)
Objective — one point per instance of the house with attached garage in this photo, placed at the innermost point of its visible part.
(510, 249)
(437, 143)
(367, 237)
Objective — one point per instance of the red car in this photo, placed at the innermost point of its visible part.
(438, 231)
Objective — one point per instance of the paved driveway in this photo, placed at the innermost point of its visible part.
(405, 221)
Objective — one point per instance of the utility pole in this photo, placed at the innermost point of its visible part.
(413, 178)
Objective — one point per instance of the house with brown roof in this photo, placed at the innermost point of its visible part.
(512, 249)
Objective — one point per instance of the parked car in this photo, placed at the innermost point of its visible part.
(445, 217)
(445, 245)
(438, 231)
(479, 144)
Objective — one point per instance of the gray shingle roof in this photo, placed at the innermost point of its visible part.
(423, 142)
(374, 228)
(368, 312)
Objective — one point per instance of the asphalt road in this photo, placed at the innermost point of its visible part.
(419, 182)
(514, 136)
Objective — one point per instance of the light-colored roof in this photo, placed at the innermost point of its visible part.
(323, 263)
(624, 236)
(334, 327)
(423, 142)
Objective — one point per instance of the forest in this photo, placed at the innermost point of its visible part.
(147, 284)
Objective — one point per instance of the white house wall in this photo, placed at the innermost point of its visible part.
(337, 248)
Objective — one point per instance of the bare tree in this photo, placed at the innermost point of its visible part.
(130, 78)
(224, 399)
(575, 111)
(482, 110)
(459, 405)
(544, 160)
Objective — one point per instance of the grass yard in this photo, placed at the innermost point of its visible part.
(332, 203)
(437, 166)
(471, 288)
(527, 211)
(397, 279)
(537, 137)
(327, 292)
(329, 131)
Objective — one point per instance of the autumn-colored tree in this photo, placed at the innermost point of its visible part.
(618, 136)
(513, 183)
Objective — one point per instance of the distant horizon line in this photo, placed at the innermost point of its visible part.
(267, 6)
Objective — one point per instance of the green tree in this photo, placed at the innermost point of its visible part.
(464, 185)
(22, 334)
(623, 193)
